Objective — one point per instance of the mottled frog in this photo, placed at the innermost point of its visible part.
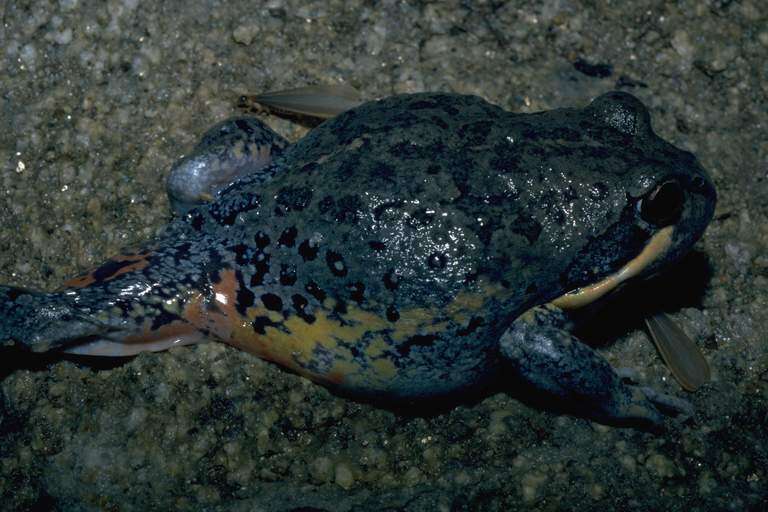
(413, 247)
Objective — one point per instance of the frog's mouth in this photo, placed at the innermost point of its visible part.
(654, 249)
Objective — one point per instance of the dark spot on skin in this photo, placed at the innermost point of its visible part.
(472, 326)
(287, 275)
(288, 237)
(390, 205)
(242, 254)
(349, 166)
(376, 245)
(110, 268)
(357, 291)
(315, 291)
(13, 294)
(421, 217)
(384, 170)
(570, 194)
(348, 209)
(308, 251)
(164, 318)
(527, 227)
(506, 158)
(437, 260)
(391, 280)
(325, 204)
(261, 264)
(294, 198)
(450, 110)
(437, 121)
(245, 297)
(242, 125)
(598, 191)
(195, 219)
(272, 302)
(340, 307)
(181, 251)
(260, 323)
(422, 105)
(225, 211)
(311, 166)
(261, 239)
(299, 304)
(335, 263)
(416, 341)
(476, 133)
(392, 314)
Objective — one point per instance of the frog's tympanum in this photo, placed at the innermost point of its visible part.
(413, 247)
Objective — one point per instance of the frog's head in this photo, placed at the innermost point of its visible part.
(669, 201)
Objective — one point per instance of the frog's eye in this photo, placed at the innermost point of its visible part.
(663, 205)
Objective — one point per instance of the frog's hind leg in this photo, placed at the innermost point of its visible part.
(149, 300)
(42, 321)
(544, 355)
(229, 150)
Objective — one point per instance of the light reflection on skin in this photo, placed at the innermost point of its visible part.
(405, 239)
(138, 289)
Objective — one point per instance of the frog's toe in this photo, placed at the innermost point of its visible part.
(629, 405)
(668, 404)
(231, 149)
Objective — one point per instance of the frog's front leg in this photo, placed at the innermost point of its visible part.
(231, 149)
(541, 352)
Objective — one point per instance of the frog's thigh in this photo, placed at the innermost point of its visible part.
(229, 150)
(557, 364)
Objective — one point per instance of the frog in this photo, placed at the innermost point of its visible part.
(408, 249)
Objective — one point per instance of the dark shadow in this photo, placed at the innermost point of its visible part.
(13, 359)
(679, 286)
(430, 407)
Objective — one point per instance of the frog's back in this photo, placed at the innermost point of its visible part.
(435, 191)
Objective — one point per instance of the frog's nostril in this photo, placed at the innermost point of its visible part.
(663, 205)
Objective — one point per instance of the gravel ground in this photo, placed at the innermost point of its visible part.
(99, 98)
